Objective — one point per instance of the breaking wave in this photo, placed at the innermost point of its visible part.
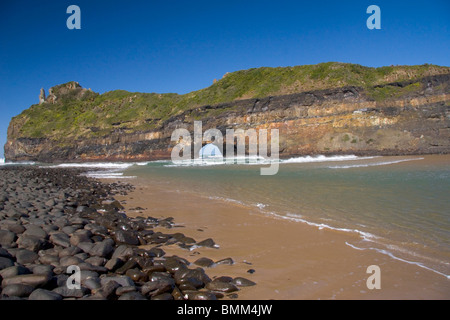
(365, 165)
(257, 160)
(321, 158)
(366, 237)
(101, 170)
(20, 163)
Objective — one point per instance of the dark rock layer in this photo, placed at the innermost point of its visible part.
(346, 120)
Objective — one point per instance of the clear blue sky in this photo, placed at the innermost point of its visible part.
(181, 46)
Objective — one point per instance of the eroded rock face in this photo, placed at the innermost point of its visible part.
(42, 96)
(72, 89)
(51, 96)
(342, 120)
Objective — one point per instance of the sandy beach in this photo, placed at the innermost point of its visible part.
(290, 260)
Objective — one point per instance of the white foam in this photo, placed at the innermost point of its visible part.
(99, 165)
(193, 162)
(261, 205)
(390, 254)
(364, 236)
(297, 218)
(107, 174)
(322, 158)
(144, 163)
(258, 160)
(106, 170)
(384, 163)
(23, 163)
(226, 200)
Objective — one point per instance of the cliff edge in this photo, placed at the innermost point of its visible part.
(329, 108)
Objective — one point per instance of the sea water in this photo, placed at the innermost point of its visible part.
(398, 206)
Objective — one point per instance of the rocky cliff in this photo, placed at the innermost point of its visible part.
(330, 108)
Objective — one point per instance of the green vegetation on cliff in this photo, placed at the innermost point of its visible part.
(79, 113)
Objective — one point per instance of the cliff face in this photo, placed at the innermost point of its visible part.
(411, 116)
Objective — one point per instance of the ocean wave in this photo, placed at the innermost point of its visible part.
(297, 218)
(226, 200)
(258, 205)
(393, 256)
(384, 163)
(101, 170)
(365, 236)
(368, 239)
(107, 174)
(213, 161)
(148, 162)
(99, 165)
(20, 163)
(258, 160)
(194, 163)
(322, 158)
(261, 205)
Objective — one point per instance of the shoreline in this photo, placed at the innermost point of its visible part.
(138, 159)
(291, 260)
(56, 220)
(168, 158)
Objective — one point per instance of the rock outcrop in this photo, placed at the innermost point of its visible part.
(411, 116)
(42, 96)
(68, 91)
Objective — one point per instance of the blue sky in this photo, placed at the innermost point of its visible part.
(181, 46)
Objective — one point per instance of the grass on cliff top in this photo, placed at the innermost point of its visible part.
(120, 111)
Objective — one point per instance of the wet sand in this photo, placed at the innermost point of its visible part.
(292, 261)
